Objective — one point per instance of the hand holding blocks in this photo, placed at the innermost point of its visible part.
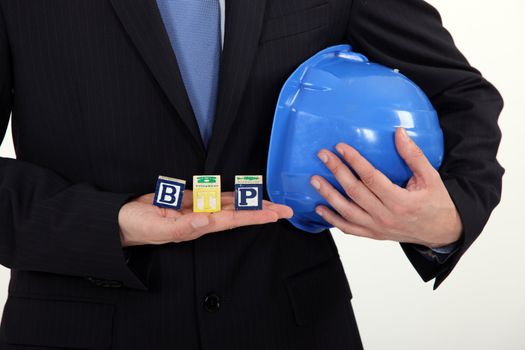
(207, 193)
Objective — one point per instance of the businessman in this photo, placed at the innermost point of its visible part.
(105, 95)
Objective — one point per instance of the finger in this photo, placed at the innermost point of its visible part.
(354, 188)
(227, 197)
(167, 212)
(147, 198)
(284, 211)
(229, 219)
(187, 198)
(185, 227)
(372, 178)
(414, 157)
(344, 225)
(194, 225)
(347, 209)
(228, 194)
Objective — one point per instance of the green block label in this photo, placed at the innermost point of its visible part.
(248, 178)
(206, 180)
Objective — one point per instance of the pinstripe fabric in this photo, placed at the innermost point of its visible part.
(99, 110)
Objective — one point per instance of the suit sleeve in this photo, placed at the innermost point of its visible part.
(409, 35)
(50, 225)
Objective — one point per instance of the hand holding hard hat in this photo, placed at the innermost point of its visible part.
(421, 213)
(338, 98)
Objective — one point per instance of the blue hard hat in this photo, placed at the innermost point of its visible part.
(339, 96)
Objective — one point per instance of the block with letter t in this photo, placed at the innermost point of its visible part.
(206, 193)
(169, 193)
(248, 192)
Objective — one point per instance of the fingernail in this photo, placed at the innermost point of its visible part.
(319, 211)
(323, 157)
(339, 149)
(316, 184)
(200, 222)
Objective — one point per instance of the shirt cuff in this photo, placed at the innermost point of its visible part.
(438, 254)
(447, 249)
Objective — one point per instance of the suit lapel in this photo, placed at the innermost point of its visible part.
(142, 21)
(243, 25)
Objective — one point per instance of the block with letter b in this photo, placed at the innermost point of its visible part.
(169, 193)
(248, 192)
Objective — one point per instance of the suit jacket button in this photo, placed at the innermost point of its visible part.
(212, 303)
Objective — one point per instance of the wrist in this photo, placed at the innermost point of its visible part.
(451, 237)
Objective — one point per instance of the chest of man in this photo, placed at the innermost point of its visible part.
(102, 76)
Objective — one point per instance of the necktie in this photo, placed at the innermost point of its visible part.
(193, 27)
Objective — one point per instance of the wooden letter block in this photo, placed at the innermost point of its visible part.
(169, 192)
(206, 193)
(248, 192)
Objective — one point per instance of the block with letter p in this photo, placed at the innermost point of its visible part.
(248, 192)
(169, 193)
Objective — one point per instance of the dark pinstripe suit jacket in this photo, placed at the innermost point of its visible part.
(99, 110)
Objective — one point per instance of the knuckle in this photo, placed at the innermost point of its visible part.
(178, 235)
(379, 236)
(346, 212)
(338, 168)
(399, 209)
(329, 193)
(417, 152)
(368, 179)
(347, 230)
(352, 190)
(375, 235)
(435, 177)
(387, 221)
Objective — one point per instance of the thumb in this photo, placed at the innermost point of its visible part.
(414, 156)
(186, 227)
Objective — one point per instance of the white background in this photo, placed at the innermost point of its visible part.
(482, 304)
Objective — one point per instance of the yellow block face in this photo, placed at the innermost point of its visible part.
(206, 193)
